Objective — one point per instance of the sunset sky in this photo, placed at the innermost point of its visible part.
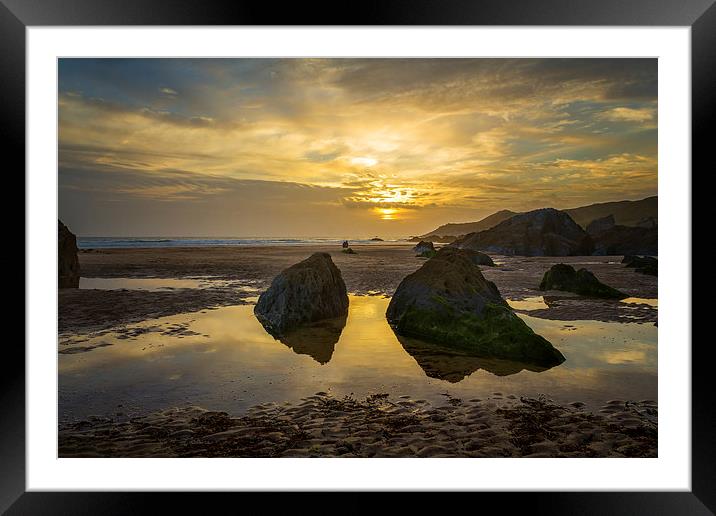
(345, 147)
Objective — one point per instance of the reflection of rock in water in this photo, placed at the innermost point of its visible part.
(446, 364)
(316, 340)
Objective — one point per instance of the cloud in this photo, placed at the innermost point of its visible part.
(441, 139)
(625, 114)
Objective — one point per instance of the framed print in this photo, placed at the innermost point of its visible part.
(416, 253)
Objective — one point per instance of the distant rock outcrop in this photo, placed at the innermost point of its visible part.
(306, 292)
(599, 225)
(621, 240)
(626, 213)
(544, 232)
(643, 264)
(68, 265)
(463, 228)
(563, 277)
(442, 239)
(641, 213)
(449, 302)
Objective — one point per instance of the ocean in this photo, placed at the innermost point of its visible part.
(131, 242)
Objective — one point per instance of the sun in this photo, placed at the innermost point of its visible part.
(387, 213)
(364, 161)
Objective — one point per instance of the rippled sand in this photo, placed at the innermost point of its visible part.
(323, 426)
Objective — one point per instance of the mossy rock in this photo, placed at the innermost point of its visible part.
(449, 302)
(563, 277)
(348, 250)
(496, 332)
(427, 254)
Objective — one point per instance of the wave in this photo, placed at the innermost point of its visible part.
(130, 242)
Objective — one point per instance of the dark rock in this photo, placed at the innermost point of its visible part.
(424, 246)
(599, 225)
(626, 213)
(478, 258)
(545, 232)
(306, 292)
(647, 222)
(376, 239)
(444, 239)
(643, 264)
(426, 254)
(449, 302)
(626, 240)
(348, 250)
(638, 261)
(68, 265)
(563, 277)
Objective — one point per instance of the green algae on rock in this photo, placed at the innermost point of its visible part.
(448, 301)
(427, 254)
(563, 277)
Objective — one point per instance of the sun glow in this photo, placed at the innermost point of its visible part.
(364, 161)
(419, 142)
(387, 213)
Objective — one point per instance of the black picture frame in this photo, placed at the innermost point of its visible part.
(700, 15)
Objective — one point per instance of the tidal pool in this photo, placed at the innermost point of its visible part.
(528, 303)
(641, 301)
(158, 284)
(223, 359)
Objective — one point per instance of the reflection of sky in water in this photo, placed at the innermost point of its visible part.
(528, 303)
(641, 301)
(239, 365)
(158, 283)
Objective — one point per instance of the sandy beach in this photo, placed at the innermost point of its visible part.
(384, 424)
(323, 426)
(374, 270)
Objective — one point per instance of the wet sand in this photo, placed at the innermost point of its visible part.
(323, 426)
(374, 270)
(381, 425)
